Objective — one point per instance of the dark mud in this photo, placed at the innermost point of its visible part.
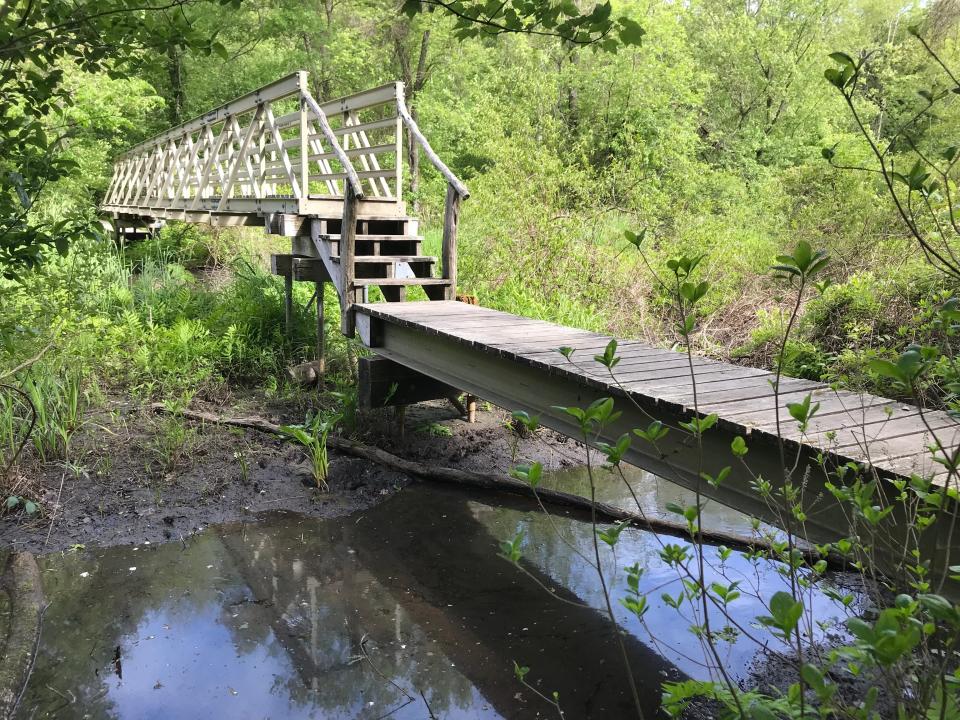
(132, 480)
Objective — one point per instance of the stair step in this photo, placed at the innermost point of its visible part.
(388, 259)
(377, 238)
(386, 218)
(399, 282)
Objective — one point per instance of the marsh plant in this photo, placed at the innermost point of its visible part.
(903, 652)
(241, 459)
(312, 436)
(173, 439)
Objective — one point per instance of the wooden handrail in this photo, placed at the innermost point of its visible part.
(334, 144)
(411, 124)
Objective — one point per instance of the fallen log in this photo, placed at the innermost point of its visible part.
(490, 481)
(24, 606)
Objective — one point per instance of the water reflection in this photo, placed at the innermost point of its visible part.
(653, 493)
(401, 611)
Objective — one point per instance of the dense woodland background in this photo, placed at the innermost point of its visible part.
(708, 135)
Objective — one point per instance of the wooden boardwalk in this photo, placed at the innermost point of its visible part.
(890, 435)
(514, 362)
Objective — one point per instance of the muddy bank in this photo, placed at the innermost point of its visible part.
(138, 477)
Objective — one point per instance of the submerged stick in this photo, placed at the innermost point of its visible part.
(500, 483)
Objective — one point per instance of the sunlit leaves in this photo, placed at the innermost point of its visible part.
(635, 601)
(615, 452)
(843, 76)
(609, 358)
(37, 40)
(802, 264)
(654, 432)
(529, 474)
(699, 425)
(525, 420)
(684, 265)
(611, 536)
(596, 416)
(738, 446)
(635, 238)
(803, 411)
(909, 366)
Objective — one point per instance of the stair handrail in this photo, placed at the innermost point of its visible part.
(348, 168)
(456, 191)
(447, 173)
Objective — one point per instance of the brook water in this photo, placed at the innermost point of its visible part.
(403, 611)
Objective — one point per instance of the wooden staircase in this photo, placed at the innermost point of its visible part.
(328, 174)
(388, 254)
(372, 241)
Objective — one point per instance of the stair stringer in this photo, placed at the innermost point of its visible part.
(334, 270)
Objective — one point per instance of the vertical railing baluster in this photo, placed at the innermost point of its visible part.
(451, 217)
(399, 142)
(348, 239)
(304, 145)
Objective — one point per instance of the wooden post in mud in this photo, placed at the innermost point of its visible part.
(288, 304)
(471, 402)
(321, 350)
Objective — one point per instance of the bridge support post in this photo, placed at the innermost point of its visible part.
(348, 237)
(451, 217)
(288, 305)
(321, 349)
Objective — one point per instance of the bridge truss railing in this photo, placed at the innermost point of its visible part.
(273, 150)
(278, 151)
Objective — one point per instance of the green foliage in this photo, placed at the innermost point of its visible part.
(312, 435)
(39, 42)
(565, 19)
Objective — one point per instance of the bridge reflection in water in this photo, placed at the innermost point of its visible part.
(268, 620)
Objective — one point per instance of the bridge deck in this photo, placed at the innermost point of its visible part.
(892, 436)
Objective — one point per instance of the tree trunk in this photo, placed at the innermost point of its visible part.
(177, 93)
(414, 80)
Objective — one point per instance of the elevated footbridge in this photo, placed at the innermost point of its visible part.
(328, 175)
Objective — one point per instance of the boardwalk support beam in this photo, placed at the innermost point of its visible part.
(384, 383)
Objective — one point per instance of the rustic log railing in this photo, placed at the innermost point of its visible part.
(278, 151)
(456, 191)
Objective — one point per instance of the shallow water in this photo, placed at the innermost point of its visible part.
(401, 611)
(653, 494)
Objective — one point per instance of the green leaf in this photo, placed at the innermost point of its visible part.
(630, 32)
(739, 446)
(410, 8)
(841, 58)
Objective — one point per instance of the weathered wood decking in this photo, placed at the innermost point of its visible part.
(514, 362)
